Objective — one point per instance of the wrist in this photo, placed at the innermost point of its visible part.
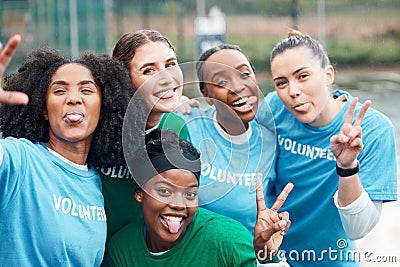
(347, 166)
(349, 170)
(265, 253)
(274, 259)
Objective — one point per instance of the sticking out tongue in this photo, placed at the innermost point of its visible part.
(74, 117)
(303, 108)
(173, 224)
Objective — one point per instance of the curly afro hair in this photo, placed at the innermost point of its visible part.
(33, 78)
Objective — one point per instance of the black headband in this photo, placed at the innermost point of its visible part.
(143, 171)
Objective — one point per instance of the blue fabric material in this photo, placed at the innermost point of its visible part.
(229, 170)
(305, 159)
(51, 214)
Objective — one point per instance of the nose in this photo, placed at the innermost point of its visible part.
(294, 90)
(165, 76)
(178, 202)
(238, 86)
(74, 97)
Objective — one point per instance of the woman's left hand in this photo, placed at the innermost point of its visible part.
(348, 143)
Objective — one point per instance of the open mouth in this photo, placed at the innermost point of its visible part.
(244, 104)
(172, 223)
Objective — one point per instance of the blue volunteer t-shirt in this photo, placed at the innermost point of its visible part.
(51, 214)
(230, 168)
(316, 236)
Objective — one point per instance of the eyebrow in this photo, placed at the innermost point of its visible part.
(65, 83)
(230, 68)
(153, 63)
(173, 185)
(293, 73)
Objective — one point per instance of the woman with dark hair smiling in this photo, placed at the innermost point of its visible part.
(157, 82)
(60, 119)
(174, 231)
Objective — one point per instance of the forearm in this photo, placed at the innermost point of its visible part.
(349, 188)
(359, 217)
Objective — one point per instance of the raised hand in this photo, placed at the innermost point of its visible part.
(6, 53)
(187, 104)
(270, 225)
(348, 143)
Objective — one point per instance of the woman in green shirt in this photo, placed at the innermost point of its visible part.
(174, 231)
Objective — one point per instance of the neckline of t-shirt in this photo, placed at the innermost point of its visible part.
(67, 161)
(235, 139)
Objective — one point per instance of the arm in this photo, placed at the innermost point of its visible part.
(7, 97)
(346, 146)
(361, 216)
(357, 211)
(270, 225)
(6, 53)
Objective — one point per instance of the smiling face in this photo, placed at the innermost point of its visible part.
(303, 86)
(169, 202)
(155, 73)
(73, 104)
(231, 86)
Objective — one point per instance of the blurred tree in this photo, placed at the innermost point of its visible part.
(18, 4)
(10, 4)
(71, 26)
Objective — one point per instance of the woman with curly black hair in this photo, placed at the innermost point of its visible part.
(51, 205)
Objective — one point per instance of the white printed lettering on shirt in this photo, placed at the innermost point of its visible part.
(305, 150)
(87, 212)
(120, 172)
(226, 176)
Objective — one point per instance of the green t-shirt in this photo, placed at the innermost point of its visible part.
(173, 122)
(119, 185)
(210, 240)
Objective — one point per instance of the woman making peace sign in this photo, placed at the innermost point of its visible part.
(339, 154)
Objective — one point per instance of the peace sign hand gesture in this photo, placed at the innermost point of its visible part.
(7, 97)
(348, 143)
(270, 225)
